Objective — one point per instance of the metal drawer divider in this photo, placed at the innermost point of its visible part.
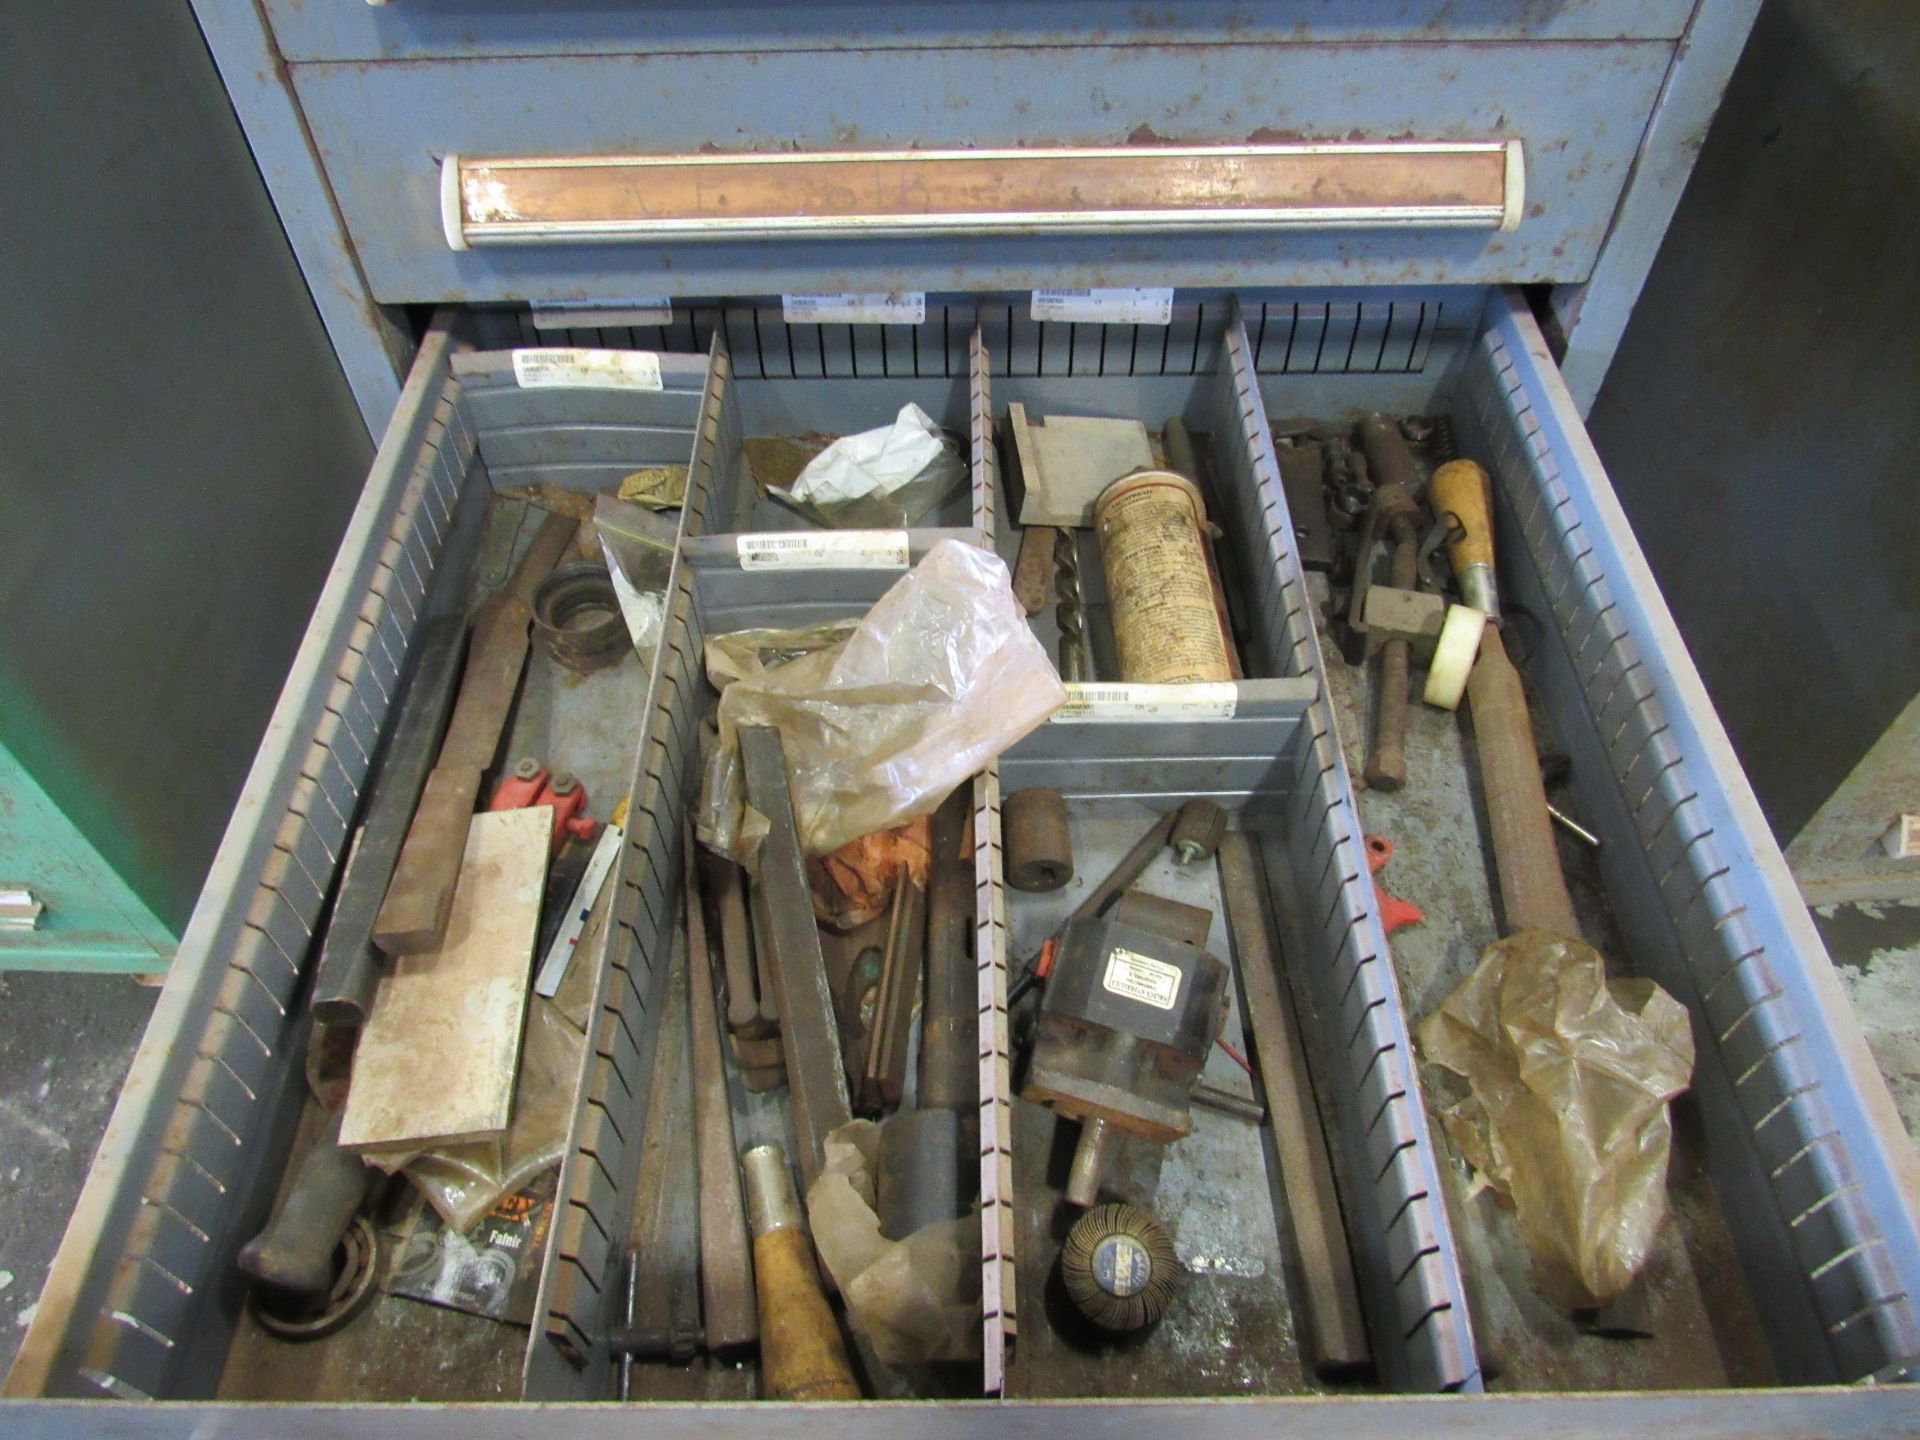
(998, 1227)
(1404, 1251)
(1809, 1156)
(188, 1163)
(580, 1279)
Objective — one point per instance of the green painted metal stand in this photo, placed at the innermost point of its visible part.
(93, 921)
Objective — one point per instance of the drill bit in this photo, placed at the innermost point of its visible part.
(1068, 611)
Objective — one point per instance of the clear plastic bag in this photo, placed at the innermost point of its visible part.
(745, 654)
(916, 1300)
(940, 676)
(879, 479)
(463, 1182)
(1568, 1075)
(638, 544)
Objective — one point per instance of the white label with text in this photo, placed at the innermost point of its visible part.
(905, 307)
(1203, 700)
(826, 550)
(1143, 978)
(587, 369)
(1105, 307)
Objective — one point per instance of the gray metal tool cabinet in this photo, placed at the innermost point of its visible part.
(363, 117)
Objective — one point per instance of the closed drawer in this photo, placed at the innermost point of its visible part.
(429, 30)
(1808, 1166)
(1578, 111)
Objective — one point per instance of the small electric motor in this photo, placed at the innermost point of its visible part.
(1129, 1017)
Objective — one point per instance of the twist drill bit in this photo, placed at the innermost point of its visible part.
(1068, 611)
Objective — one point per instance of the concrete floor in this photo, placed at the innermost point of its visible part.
(1877, 950)
(65, 1044)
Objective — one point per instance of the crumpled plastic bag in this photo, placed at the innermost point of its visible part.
(1569, 1076)
(916, 1300)
(879, 479)
(940, 676)
(465, 1181)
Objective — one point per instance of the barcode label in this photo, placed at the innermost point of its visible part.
(902, 307)
(1210, 700)
(587, 369)
(1105, 307)
(600, 314)
(824, 550)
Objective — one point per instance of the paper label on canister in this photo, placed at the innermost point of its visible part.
(575, 369)
(1143, 978)
(824, 550)
(896, 307)
(1133, 306)
(1167, 625)
(1206, 700)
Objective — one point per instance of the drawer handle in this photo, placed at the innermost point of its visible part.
(575, 199)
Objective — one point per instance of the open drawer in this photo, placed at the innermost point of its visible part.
(1811, 1171)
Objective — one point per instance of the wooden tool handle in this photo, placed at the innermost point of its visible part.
(1462, 487)
(801, 1354)
(414, 914)
(1533, 891)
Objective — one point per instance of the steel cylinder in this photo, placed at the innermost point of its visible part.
(1039, 844)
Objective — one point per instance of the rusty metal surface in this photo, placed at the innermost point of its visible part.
(1335, 1334)
(594, 197)
(727, 1308)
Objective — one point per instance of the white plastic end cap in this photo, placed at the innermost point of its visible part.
(452, 221)
(1516, 187)
(1453, 656)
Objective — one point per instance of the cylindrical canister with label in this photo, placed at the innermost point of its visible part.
(1167, 624)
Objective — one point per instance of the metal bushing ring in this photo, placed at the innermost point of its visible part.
(577, 616)
(358, 1283)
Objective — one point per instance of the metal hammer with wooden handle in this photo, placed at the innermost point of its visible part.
(1533, 891)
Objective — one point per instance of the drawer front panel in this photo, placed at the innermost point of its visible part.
(355, 30)
(1579, 110)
